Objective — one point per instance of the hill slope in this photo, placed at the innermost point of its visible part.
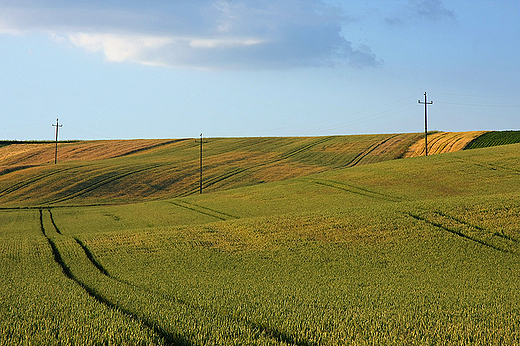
(443, 142)
(124, 171)
(402, 252)
(121, 171)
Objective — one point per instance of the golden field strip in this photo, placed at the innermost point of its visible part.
(296, 241)
(443, 142)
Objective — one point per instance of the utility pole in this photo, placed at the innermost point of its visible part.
(200, 182)
(426, 103)
(56, 150)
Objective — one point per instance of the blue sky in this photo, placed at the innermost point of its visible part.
(172, 69)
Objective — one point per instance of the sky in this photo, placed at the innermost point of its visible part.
(116, 69)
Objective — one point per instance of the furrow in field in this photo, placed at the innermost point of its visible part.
(204, 210)
(365, 153)
(475, 233)
(494, 138)
(25, 183)
(101, 183)
(355, 190)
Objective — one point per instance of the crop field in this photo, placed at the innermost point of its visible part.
(493, 138)
(444, 142)
(124, 171)
(416, 251)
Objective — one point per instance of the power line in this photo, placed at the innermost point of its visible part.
(479, 105)
(372, 117)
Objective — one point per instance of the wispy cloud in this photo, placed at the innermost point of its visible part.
(206, 34)
(432, 10)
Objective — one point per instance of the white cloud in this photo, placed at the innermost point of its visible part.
(6, 28)
(206, 34)
(225, 42)
(120, 47)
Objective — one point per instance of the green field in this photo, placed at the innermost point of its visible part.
(494, 138)
(319, 251)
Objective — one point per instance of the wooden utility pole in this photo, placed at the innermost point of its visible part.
(56, 150)
(200, 180)
(426, 103)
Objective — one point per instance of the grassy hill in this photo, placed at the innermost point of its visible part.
(327, 252)
(90, 172)
(123, 171)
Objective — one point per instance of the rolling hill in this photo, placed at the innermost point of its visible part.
(414, 251)
(120, 171)
(328, 251)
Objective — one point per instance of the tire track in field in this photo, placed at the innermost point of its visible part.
(355, 190)
(252, 168)
(493, 167)
(170, 338)
(33, 180)
(304, 148)
(451, 144)
(102, 183)
(203, 210)
(41, 223)
(91, 258)
(433, 146)
(261, 328)
(365, 153)
(53, 223)
(153, 146)
(15, 168)
(468, 231)
(266, 329)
